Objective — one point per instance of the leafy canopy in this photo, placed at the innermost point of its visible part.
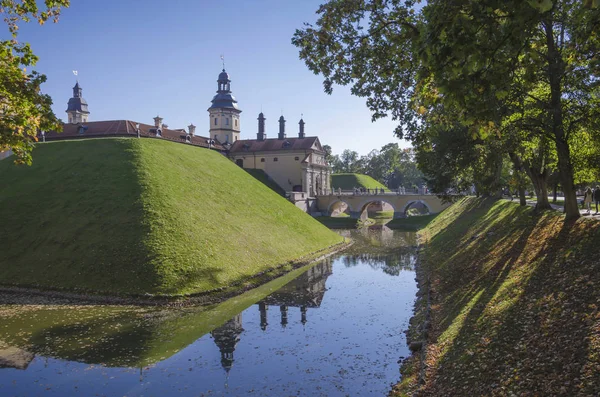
(24, 110)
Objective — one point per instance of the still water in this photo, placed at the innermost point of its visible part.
(334, 330)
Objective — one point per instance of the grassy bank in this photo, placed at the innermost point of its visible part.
(350, 181)
(135, 216)
(412, 222)
(116, 336)
(262, 176)
(514, 304)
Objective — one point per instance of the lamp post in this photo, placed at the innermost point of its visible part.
(137, 129)
(44, 136)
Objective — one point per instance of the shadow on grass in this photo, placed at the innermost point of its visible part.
(516, 308)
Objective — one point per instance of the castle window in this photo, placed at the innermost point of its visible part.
(215, 121)
(236, 122)
(226, 121)
(297, 158)
(262, 160)
(275, 159)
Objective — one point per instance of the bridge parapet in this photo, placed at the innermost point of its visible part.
(358, 203)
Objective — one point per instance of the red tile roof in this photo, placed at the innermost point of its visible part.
(254, 145)
(124, 128)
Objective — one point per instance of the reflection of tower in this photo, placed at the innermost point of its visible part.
(284, 319)
(262, 307)
(307, 290)
(226, 338)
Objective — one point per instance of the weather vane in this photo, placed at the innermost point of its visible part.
(223, 60)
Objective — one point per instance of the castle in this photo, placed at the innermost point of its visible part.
(295, 164)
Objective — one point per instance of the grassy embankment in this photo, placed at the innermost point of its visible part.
(412, 223)
(136, 216)
(514, 304)
(116, 336)
(350, 181)
(262, 176)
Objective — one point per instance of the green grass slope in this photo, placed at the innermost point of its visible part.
(515, 304)
(350, 181)
(262, 176)
(134, 216)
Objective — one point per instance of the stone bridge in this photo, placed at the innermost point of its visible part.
(358, 203)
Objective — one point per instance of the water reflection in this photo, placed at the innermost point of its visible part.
(329, 331)
(305, 291)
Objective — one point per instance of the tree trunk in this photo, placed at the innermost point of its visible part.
(565, 168)
(518, 165)
(522, 198)
(540, 185)
(554, 192)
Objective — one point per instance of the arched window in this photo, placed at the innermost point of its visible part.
(236, 122)
(215, 121)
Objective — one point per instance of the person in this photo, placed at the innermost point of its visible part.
(587, 199)
(597, 197)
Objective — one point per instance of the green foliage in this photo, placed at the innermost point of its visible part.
(134, 216)
(24, 110)
(484, 61)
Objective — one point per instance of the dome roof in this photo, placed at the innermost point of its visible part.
(223, 76)
(224, 101)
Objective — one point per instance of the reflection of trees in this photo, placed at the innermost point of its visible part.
(391, 263)
(382, 248)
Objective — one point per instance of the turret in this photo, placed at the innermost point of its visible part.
(261, 127)
(192, 129)
(281, 128)
(301, 131)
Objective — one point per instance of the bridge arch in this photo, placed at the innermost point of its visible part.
(362, 208)
(412, 202)
(332, 206)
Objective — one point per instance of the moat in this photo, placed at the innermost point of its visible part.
(336, 329)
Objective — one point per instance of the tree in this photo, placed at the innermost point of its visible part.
(466, 55)
(24, 110)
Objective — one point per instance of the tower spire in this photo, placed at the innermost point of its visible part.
(77, 108)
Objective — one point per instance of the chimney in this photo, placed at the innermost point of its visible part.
(281, 128)
(158, 122)
(301, 132)
(261, 127)
(192, 129)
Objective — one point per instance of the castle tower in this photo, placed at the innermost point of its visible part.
(224, 113)
(77, 108)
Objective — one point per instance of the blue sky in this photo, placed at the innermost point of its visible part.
(136, 59)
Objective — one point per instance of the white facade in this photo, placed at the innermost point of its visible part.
(224, 125)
